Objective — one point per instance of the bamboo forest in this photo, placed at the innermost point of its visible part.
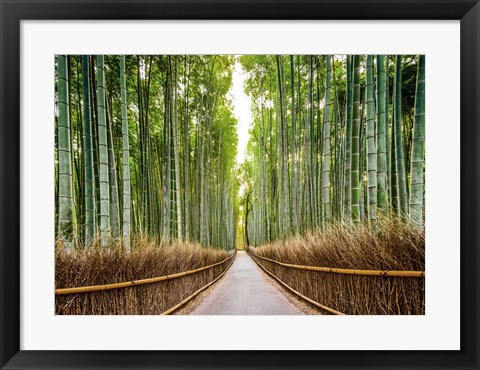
(240, 184)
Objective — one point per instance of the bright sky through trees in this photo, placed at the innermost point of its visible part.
(241, 104)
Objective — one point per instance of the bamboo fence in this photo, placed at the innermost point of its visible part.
(351, 291)
(142, 296)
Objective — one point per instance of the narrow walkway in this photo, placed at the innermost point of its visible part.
(244, 290)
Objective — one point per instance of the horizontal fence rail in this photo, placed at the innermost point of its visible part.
(415, 274)
(97, 288)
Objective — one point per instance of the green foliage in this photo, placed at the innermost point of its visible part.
(174, 146)
(289, 150)
(160, 160)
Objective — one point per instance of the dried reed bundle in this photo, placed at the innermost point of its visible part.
(148, 258)
(393, 244)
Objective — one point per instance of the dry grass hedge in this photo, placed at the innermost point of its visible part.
(394, 244)
(97, 266)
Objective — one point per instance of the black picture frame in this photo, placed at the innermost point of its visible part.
(12, 12)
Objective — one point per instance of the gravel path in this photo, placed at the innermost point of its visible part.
(244, 290)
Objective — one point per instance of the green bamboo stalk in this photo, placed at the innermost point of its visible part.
(283, 170)
(355, 143)
(348, 139)
(65, 192)
(381, 134)
(126, 223)
(371, 145)
(363, 206)
(388, 132)
(418, 148)
(186, 150)
(112, 178)
(94, 126)
(326, 145)
(393, 164)
(315, 206)
(176, 151)
(90, 223)
(293, 148)
(103, 154)
(399, 151)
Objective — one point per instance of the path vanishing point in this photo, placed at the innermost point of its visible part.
(244, 290)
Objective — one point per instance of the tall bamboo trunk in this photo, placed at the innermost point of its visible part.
(388, 131)
(371, 145)
(418, 148)
(355, 143)
(65, 192)
(326, 145)
(283, 199)
(363, 206)
(79, 162)
(337, 163)
(381, 134)
(186, 151)
(348, 139)
(103, 154)
(316, 215)
(393, 167)
(176, 153)
(94, 125)
(166, 166)
(399, 150)
(90, 223)
(293, 149)
(126, 158)
(112, 178)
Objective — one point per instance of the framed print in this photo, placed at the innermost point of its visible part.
(239, 185)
